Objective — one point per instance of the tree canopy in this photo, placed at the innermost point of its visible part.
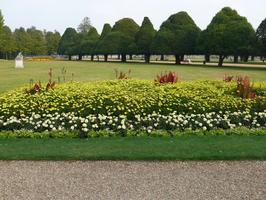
(87, 42)
(228, 34)
(144, 38)
(106, 30)
(261, 37)
(177, 36)
(67, 44)
(52, 40)
(37, 43)
(1, 31)
(121, 39)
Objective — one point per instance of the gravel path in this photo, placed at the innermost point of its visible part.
(132, 180)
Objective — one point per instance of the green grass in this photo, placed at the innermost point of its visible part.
(137, 148)
(11, 78)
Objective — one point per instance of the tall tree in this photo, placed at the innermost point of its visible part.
(85, 25)
(144, 38)
(86, 43)
(1, 32)
(52, 42)
(23, 41)
(9, 45)
(38, 43)
(121, 39)
(261, 38)
(106, 30)
(68, 42)
(229, 34)
(177, 36)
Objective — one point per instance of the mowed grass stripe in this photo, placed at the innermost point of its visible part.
(137, 148)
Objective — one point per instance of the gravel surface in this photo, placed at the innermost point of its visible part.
(133, 180)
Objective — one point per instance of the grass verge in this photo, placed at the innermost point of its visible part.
(137, 148)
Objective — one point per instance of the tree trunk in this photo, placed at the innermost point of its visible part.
(119, 57)
(221, 61)
(69, 57)
(162, 58)
(92, 57)
(147, 58)
(80, 57)
(235, 59)
(207, 58)
(177, 59)
(252, 58)
(124, 58)
(105, 57)
(246, 58)
(130, 57)
(182, 57)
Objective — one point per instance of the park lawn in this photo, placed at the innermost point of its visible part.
(11, 78)
(137, 148)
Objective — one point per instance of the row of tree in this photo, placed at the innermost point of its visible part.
(30, 41)
(228, 34)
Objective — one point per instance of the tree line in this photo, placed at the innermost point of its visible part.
(30, 41)
(228, 34)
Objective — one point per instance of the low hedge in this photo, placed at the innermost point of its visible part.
(130, 98)
(242, 131)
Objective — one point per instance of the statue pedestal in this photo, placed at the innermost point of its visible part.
(19, 64)
(19, 61)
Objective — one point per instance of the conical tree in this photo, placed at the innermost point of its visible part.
(177, 36)
(87, 43)
(261, 38)
(106, 30)
(68, 42)
(144, 38)
(120, 39)
(229, 34)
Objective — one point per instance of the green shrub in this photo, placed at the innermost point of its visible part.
(157, 133)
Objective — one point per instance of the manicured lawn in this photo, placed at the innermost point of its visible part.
(137, 148)
(11, 78)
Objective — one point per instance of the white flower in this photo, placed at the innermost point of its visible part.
(85, 129)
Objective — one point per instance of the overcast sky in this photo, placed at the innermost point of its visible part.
(60, 14)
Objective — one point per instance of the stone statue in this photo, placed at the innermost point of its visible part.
(19, 61)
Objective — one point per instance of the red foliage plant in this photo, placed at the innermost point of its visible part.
(122, 75)
(50, 84)
(228, 78)
(170, 77)
(245, 88)
(37, 87)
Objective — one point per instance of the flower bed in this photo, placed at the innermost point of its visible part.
(148, 123)
(121, 106)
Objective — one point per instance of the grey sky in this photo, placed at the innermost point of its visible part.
(60, 14)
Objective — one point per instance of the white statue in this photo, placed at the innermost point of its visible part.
(19, 61)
